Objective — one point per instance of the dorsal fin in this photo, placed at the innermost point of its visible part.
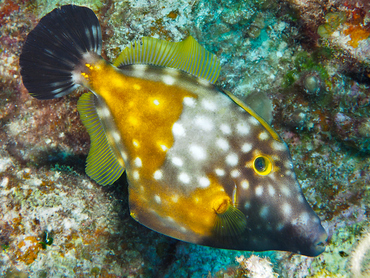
(187, 55)
(101, 164)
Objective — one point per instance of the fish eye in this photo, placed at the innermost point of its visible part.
(262, 165)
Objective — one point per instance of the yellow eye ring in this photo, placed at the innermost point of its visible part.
(262, 165)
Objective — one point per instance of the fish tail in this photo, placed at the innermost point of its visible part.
(63, 41)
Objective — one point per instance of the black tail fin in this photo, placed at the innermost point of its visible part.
(55, 48)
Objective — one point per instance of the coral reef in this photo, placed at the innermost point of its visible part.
(256, 267)
(341, 25)
(310, 58)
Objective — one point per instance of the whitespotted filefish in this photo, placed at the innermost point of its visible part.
(202, 166)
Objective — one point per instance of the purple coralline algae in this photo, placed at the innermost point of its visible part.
(310, 58)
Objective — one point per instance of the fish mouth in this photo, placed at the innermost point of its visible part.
(319, 245)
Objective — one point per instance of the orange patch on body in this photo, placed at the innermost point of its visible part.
(196, 212)
(144, 112)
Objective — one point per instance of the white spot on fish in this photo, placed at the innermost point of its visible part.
(222, 144)
(169, 80)
(204, 182)
(158, 175)
(300, 198)
(170, 219)
(259, 190)
(302, 219)
(287, 209)
(244, 184)
(253, 121)
(219, 172)
(156, 102)
(135, 143)
(203, 82)
(189, 101)
(177, 161)
(232, 159)
(139, 67)
(246, 147)
(138, 162)
(285, 190)
(209, 105)
(197, 152)
(204, 123)
(136, 174)
(263, 135)
(235, 173)
(103, 112)
(271, 190)
(175, 198)
(116, 136)
(163, 147)
(178, 129)
(124, 155)
(272, 176)
(288, 164)
(242, 128)
(225, 129)
(139, 70)
(157, 199)
(277, 146)
(183, 177)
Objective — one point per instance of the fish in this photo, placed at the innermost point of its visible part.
(202, 166)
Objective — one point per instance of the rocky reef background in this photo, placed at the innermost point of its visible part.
(310, 58)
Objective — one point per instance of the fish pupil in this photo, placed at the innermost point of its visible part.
(260, 164)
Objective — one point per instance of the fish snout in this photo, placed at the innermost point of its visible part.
(319, 241)
(313, 238)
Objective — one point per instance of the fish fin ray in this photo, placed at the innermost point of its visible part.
(101, 164)
(187, 55)
(230, 223)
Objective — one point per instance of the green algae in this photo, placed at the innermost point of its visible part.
(305, 62)
(333, 20)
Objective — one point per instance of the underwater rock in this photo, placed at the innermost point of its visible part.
(312, 83)
(345, 28)
(354, 132)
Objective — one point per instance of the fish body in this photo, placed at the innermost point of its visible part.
(202, 166)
